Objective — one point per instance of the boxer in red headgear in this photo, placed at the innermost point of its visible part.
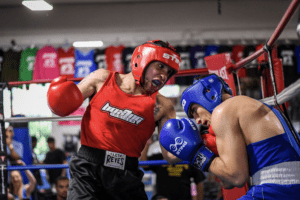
(119, 120)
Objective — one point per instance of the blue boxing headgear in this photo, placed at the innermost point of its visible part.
(206, 92)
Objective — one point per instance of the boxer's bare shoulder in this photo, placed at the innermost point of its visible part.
(255, 120)
(93, 82)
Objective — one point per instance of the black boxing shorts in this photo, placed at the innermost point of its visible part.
(97, 174)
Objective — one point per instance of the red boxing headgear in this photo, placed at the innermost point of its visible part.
(151, 51)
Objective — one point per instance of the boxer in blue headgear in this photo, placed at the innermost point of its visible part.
(252, 140)
(206, 92)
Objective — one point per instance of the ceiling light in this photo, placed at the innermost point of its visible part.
(37, 5)
(88, 44)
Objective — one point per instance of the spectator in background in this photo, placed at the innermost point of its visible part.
(14, 148)
(36, 172)
(61, 186)
(54, 156)
(18, 190)
(33, 145)
(173, 181)
(35, 161)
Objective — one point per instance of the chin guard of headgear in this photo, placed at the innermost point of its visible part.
(206, 92)
(152, 51)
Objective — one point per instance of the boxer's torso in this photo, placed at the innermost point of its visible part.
(274, 164)
(118, 121)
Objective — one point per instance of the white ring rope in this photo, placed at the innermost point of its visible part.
(29, 119)
(285, 95)
(67, 118)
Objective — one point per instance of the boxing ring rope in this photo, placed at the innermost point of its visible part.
(29, 119)
(188, 72)
(64, 166)
(285, 95)
(67, 118)
(288, 14)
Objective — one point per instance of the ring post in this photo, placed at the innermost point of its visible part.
(268, 49)
(3, 153)
(281, 25)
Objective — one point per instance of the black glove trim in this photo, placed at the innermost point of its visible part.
(209, 163)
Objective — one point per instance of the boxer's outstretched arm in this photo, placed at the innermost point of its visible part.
(232, 164)
(64, 97)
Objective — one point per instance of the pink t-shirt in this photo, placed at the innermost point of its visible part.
(46, 66)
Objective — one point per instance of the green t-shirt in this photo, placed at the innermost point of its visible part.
(27, 64)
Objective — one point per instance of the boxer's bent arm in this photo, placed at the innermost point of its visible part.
(168, 113)
(232, 164)
(93, 82)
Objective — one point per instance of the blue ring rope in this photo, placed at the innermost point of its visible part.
(62, 166)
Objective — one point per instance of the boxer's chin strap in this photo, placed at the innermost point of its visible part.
(269, 49)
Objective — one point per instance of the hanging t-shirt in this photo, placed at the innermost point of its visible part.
(211, 50)
(84, 63)
(287, 54)
(66, 61)
(11, 65)
(100, 58)
(252, 66)
(114, 58)
(126, 59)
(225, 49)
(1, 61)
(46, 66)
(186, 64)
(27, 64)
(249, 50)
(197, 57)
(237, 54)
(297, 55)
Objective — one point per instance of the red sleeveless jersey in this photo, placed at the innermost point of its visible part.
(117, 121)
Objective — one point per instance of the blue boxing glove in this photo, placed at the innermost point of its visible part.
(182, 139)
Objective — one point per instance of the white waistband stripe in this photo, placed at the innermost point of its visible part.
(283, 174)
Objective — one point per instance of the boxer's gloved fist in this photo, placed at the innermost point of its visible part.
(182, 139)
(209, 138)
(63, 96)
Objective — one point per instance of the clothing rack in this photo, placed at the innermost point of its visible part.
(229, 42)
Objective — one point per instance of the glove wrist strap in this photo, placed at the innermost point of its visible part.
(203, 158)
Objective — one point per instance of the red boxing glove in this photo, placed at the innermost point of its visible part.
(63, 96)
(209, 139)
